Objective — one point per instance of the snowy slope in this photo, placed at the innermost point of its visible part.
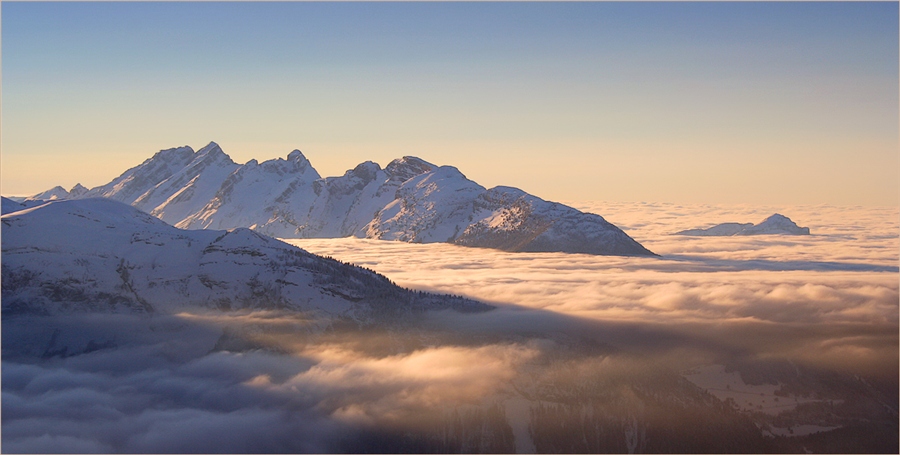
(410, 200)
(57, 192)
(512, 220)
(102, 255)
(144, 177)
(435, 206)
(9, 205)
(190, 188)
(341, 206)
(288, 198)
(262, 196)
(775, 224)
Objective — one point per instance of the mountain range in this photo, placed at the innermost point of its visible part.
(106, 312)
(775, 224)
(409, 200)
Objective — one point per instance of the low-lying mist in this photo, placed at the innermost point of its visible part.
(751, 344)
(829, 298)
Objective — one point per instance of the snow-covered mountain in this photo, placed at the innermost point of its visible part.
(57, 192)
(775, 224)
(9, 205)
(173, 183)
(102, 255)
(77, 191)
(723, 229)
(409, 200)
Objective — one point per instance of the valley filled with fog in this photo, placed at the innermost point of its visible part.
(829, 297)
(722, 344)
(778, 316)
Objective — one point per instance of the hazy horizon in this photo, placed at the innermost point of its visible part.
(760, 103)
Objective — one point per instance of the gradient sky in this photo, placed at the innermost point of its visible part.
(768, 103)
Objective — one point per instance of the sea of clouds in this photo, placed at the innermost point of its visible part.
(829, 296)
(828, 301)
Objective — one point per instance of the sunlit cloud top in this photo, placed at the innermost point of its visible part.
(680, 102)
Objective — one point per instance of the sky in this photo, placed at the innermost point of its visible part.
(760, 103)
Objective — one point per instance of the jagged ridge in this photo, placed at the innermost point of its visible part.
(409, 200)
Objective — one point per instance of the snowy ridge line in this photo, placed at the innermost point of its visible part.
(409, 200)
(775, 224)
(99, 255)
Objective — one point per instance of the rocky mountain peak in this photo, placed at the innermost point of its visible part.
(173, 155)
(77, 191)
(299, 162)
(408, 167)
(297, 155)
(212, 153)
(409, 200)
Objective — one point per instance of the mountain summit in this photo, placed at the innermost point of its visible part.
(409, 200)
(775, 224)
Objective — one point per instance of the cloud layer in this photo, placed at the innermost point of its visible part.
(595, 336)
(826, 295)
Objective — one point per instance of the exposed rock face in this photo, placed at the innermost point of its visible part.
(775, 224)
(410, 200)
